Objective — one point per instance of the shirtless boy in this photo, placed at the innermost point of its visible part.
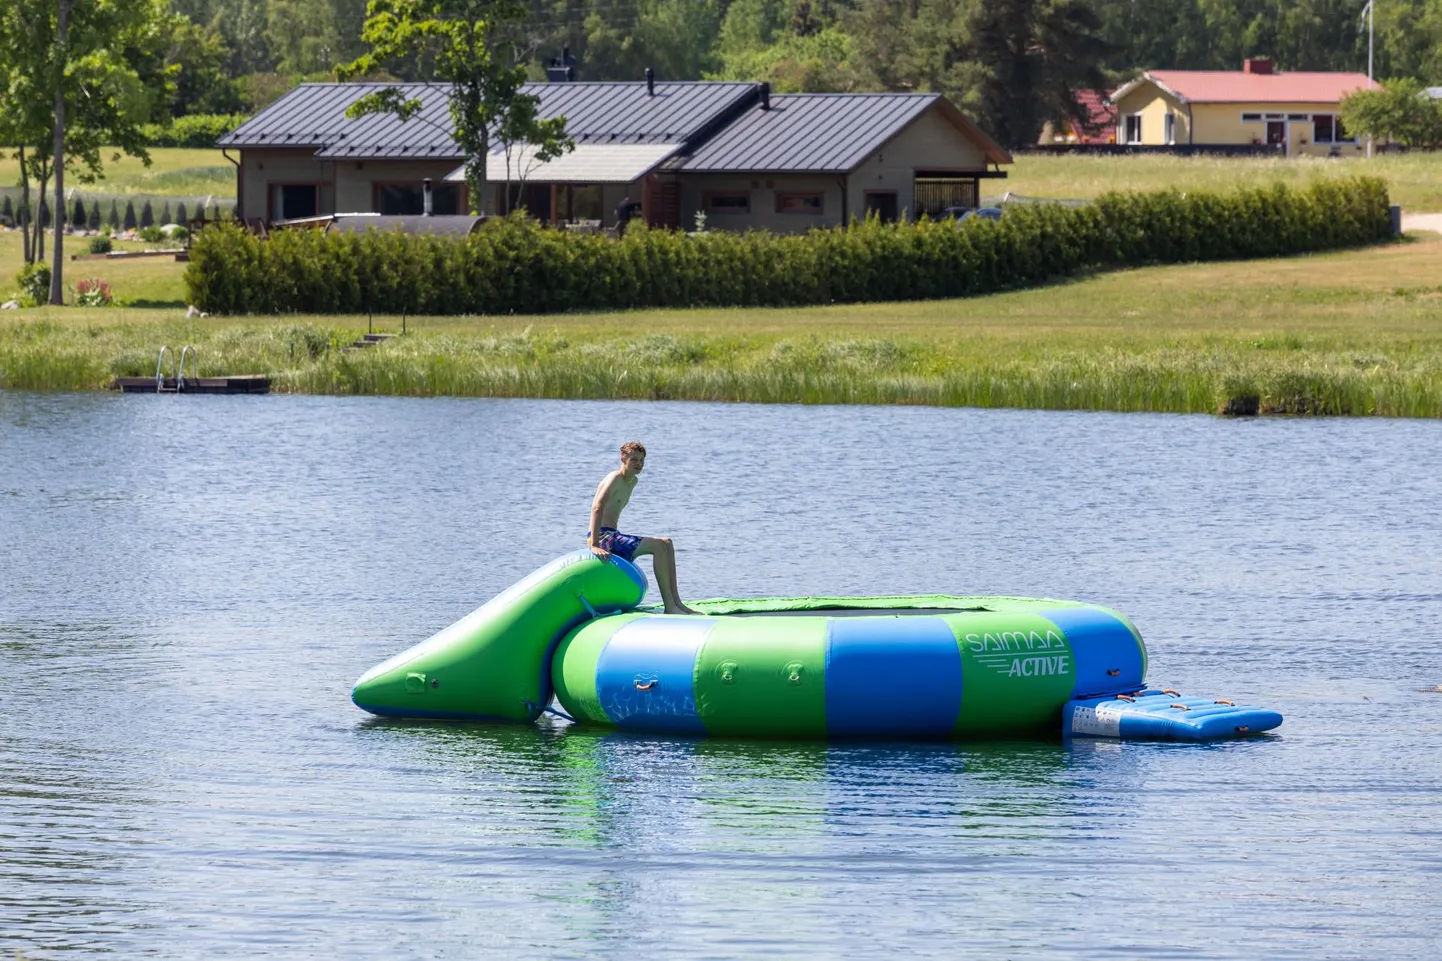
(612, 496)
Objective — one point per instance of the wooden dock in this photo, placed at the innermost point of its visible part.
(236, 384)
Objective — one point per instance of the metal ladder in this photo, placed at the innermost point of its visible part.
(177, 369)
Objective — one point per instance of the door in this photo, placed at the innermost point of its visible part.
(1277, 132)
(882, 204)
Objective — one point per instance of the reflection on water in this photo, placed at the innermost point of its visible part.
(191, 585)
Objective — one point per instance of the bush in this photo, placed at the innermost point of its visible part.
(92, 293)
(513, 265)
(34, 282)
(78, 217)
(151, 234)
(129, 221)
(195, 130)
(94, 222)
(147, 215)
(101, 245)
(179, 233)
(112, 219)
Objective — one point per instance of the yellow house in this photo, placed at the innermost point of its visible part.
(1296, 113)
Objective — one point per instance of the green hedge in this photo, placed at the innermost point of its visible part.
(195, 130)
(513, 265)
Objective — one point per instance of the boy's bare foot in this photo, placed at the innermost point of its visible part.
(680, 609)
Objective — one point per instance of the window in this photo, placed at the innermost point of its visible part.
(799, 203)
(409, 198)
(1251, 118)
(1169, 128)
(1134, 128)
(727, 201)
(1300, 117)
(289, 201)
(1327, 128)
(934, 191)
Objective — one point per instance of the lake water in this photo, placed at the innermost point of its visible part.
(189, 585)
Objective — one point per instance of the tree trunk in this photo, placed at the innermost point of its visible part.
(476, 177)
(57, 290)
(24, 217)
(39, 247)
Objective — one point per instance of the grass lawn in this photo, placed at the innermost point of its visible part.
(174, 171)
(1357, 332)
(1413, 180)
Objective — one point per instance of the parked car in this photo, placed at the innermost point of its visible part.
(960, 214)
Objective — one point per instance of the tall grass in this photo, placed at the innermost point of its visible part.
(1396, 377)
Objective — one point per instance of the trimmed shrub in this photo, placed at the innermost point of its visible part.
(112, 219)
(78, 216)
(7, 210)
(101, 244)
(151, 234)
(130, 221)
(513, 265)
(93, 223)
(165, 213)
(147, 215)
(180, 216)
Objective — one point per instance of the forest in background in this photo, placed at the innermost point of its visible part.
(1013, 64)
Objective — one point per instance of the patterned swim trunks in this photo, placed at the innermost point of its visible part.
(622, 545)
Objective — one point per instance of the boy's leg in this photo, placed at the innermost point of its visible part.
(663, 561)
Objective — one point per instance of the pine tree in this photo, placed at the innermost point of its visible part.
(78, 215)
(165, 213)
(129, 215)
(94, 222)
(7, 212)
(180, 214)
(44, 214)
(113, 219)
(147, 216)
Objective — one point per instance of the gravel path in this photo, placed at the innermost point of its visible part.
(1421, 222)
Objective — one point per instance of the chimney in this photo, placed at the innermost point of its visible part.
(765, 95)
(426, 196)
(1260, 66)
(561, 69)
(650, 82)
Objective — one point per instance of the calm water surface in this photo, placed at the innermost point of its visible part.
(188, 587)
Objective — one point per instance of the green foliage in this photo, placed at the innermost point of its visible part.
(1401, 111)
(147, 216)
(200, 59)
(151, 234)
(130, 222)
(195, 130)
(34, 281)
(101, 244)
(513, 265)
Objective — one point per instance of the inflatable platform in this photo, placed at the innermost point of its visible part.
(935, 666)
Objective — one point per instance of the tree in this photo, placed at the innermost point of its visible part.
(112, 220)
(1401, 111)
(1034, 56)
(482, 82)
(201, 59)
(89, 72)
(130, 221)
(147, 215)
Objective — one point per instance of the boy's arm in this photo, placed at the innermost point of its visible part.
(603, 492)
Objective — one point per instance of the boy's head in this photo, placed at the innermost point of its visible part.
(633, 455)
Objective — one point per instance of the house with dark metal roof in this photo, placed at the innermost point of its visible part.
(734, 151)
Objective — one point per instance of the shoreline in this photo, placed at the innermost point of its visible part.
(1350, 333)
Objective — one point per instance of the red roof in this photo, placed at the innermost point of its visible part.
(1098, 119)
(1231, 86)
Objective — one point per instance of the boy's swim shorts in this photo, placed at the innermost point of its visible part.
(623, 545)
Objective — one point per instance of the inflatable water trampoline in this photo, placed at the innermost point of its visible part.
(934, 666)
